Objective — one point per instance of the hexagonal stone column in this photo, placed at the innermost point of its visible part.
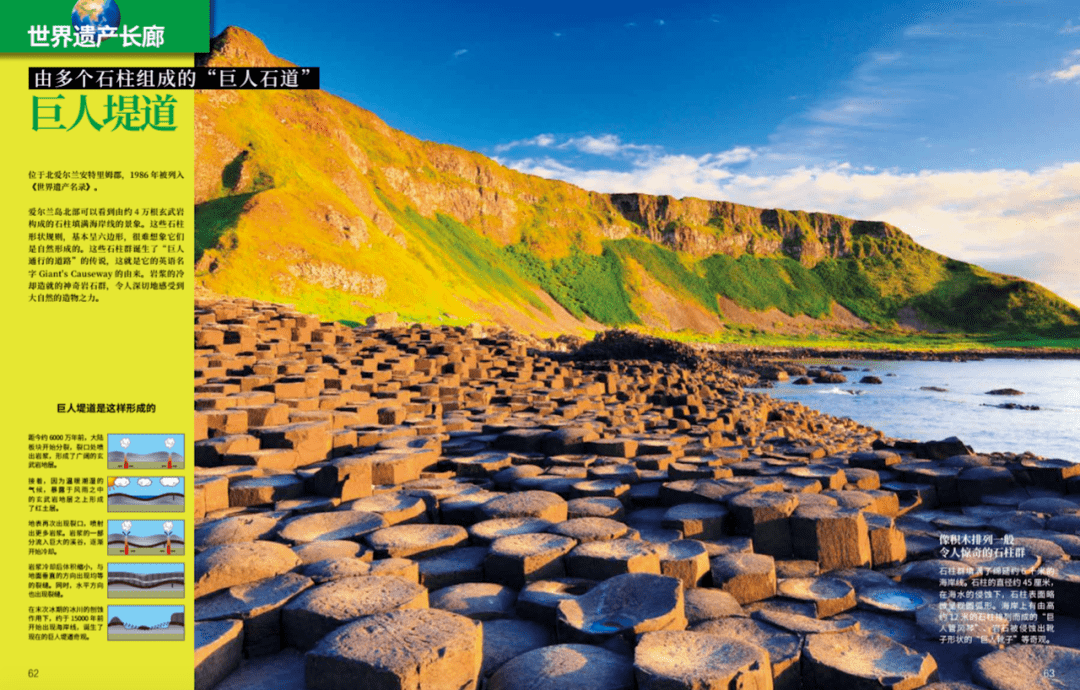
(745, 576)
(624, 606)
(685, 660)
(311, 616)
(535, 504)
(785, 649)
(405, 541)
(834, 537)
(522, 558)
(697, 520)
(599, 560)
(864, 661)
(829, 596)
(764, 516)
(401, 650)
(566, 667)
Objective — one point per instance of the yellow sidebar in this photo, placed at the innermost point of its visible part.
(98, 231)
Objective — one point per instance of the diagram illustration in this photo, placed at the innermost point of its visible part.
(146, 581)
(145, 623)
(146, 538)
(146, 451)
(146, 494)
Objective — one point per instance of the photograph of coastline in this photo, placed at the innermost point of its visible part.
(629, 346)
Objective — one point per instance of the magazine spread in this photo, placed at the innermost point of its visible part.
(516, 362)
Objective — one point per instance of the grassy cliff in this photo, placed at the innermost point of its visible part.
(303, 197)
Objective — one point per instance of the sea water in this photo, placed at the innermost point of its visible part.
(901, 408)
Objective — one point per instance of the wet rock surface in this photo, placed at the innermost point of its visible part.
(439, 508)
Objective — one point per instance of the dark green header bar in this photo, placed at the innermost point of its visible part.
(95, 27)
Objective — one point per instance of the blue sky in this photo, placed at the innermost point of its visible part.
(956, 121)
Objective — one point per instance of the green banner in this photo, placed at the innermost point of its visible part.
(90, 27)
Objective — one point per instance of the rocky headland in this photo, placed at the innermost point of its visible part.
(420, 507)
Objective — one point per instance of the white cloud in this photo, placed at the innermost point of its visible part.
(460, 51)
(121, 481)
(1068, 74)
(1070, 28)
(169, 481)
(541, 140)
(1015, 221)
(145, 481)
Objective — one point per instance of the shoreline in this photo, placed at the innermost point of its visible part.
(633, 495)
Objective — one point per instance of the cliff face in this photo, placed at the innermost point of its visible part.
(304, 196)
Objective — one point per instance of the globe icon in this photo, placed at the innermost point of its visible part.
(98, 14)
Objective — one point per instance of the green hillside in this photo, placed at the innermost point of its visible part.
(305, 198)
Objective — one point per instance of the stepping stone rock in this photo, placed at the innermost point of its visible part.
(1029, 667)
(588, 529)
(803, 624)
(887, 544)
(506, 639)
(218, 650)
(874, 460)
(706, 603)
(697, 520)
(338, 525)
(898, 600)
(746, 576)
(623, 606)
(596, 506)
(765, 516)
(395, 508)
(242, 528)
(599, 560)
(539, 600)
(685, 559)
(976, 482)
(405, 541)
(263, 490)
(1050, 506)
(783, 647)
(796, 569)
(315, 551)
(320, 610)
(522, 558)
(829, 596)
(864, 661)
(834, 537)
(221, 567)
(565, 667)
(258, 605)
(685, 660)
(476, 600)
(336, 569)
(455, 567)
(486, 532)
(400, 650)
(525, 504)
